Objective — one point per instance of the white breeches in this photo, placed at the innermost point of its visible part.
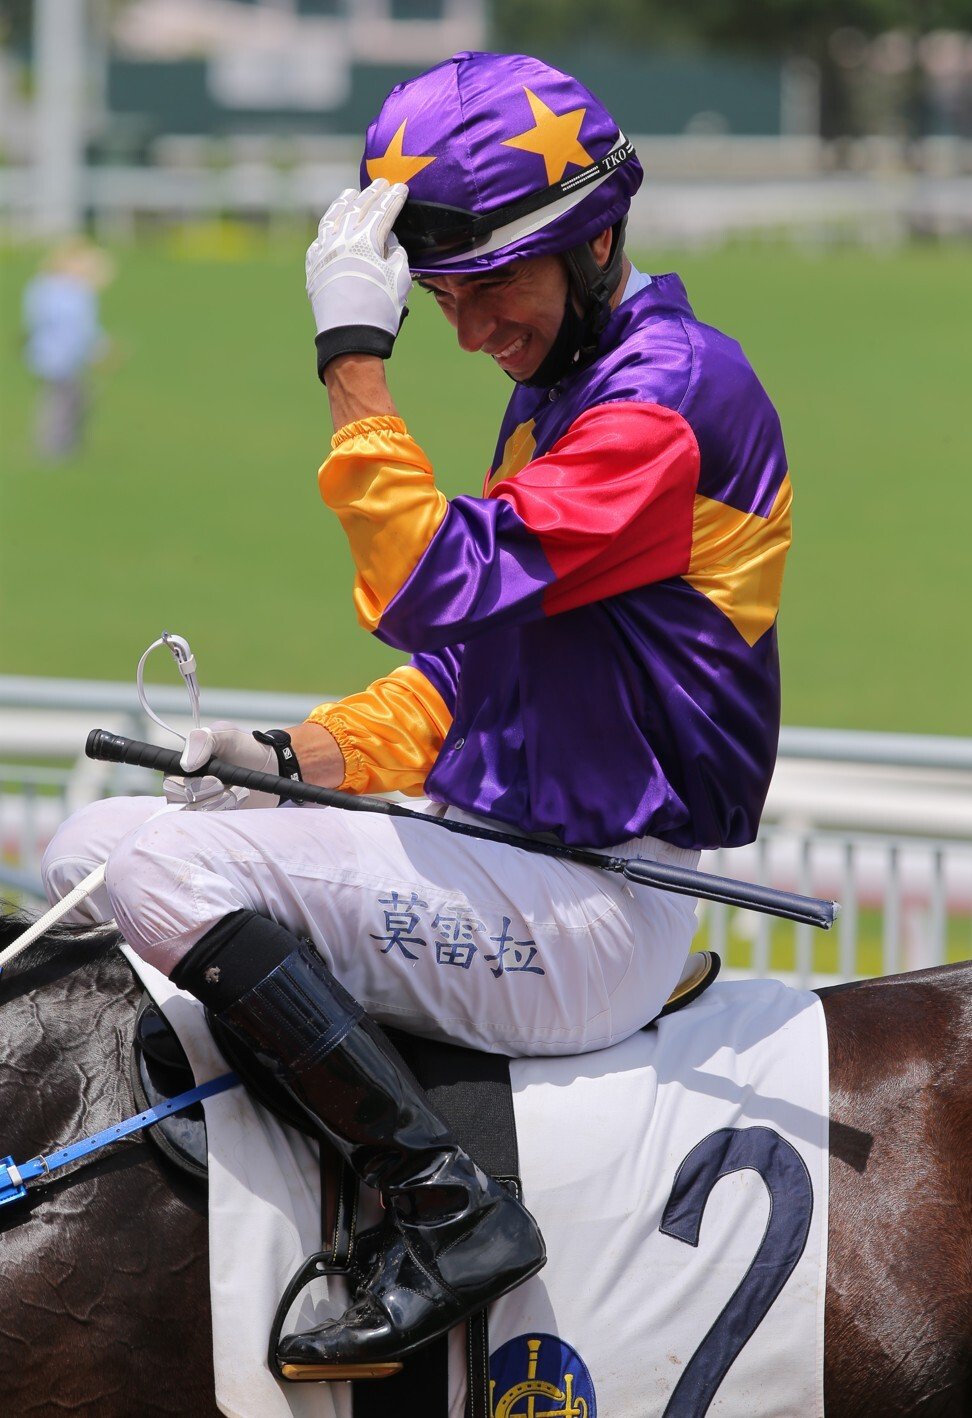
(442, 935)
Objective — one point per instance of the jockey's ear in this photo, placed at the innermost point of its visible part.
(601, 246)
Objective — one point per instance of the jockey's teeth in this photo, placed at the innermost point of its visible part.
(512, 349)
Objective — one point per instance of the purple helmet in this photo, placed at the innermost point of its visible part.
(505, 157)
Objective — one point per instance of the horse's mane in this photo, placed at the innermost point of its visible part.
(68, 945)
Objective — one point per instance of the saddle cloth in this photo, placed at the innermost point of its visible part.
(679, 1178)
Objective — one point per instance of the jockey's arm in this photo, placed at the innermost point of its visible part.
(385, 738)
(357, 389)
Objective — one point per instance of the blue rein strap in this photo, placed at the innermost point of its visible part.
(13, 1178)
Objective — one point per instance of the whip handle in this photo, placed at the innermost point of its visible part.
(113, 748)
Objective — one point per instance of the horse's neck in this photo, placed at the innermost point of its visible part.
(66, 1019)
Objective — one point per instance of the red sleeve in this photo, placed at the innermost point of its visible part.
(611, 503)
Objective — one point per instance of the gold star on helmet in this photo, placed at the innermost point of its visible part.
(553, 137)
(395, 165)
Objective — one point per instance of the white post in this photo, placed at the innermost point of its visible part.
(799, 99)
(59, 114)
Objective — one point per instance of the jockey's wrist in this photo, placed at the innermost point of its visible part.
(321, 759)
(288, 764)
(357, 389)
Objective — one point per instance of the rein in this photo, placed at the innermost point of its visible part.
(13, 1178)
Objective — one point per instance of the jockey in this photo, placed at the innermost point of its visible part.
(593, 660)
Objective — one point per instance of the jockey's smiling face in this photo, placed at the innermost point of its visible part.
(512, 313)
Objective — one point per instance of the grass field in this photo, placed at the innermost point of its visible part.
(194, 507)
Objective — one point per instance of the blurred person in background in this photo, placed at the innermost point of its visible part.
(63, 338)
(593, 661)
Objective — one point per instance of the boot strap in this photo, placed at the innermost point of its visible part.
(338, 1179)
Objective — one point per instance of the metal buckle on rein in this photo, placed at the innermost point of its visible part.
(11, 1186)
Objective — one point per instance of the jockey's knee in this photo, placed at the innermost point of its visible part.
(84, 842)
(163, 896)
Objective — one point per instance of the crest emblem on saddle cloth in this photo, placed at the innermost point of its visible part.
(211, 976)
(544, 1367)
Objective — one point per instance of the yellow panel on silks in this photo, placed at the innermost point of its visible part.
(737, 560)
(517, 452)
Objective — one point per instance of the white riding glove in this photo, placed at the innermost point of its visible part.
(206, 794)
(357, 274)
(234, 745)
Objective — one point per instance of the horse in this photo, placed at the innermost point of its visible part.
(104, 1292)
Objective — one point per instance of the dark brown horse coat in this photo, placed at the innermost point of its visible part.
(899, 1269)
(104, 1290)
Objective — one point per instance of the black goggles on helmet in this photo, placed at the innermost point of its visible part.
(428, 229)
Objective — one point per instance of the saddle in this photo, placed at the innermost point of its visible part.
(470, 1089)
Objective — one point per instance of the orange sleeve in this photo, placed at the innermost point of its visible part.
(390, 734)
(380, 484)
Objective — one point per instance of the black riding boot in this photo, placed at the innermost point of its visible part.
(457, 1239)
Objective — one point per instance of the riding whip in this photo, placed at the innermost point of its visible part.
(682, 881)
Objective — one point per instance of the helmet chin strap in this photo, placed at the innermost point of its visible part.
(592, 286)
(565, 352)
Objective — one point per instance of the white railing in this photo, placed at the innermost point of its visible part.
(881, 822)
(906, 902)
(44, 774)
(703, 189)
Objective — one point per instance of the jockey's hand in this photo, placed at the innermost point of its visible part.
(357, 274)
(233, 745)
(206, 794)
